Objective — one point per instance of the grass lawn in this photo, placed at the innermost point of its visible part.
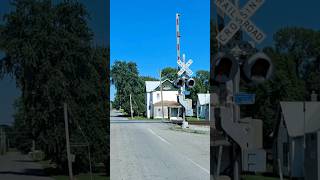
(138, 118)
(194, 119)
(142, 118)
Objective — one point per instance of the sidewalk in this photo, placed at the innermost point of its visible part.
(198, 129)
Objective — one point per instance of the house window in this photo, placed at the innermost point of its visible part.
(285, 148)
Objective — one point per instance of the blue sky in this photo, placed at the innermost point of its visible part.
(143, 31)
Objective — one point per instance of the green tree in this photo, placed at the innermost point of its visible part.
(125, 77)
(148, 78)
(302, 44)
(48, 49)
(169, 73)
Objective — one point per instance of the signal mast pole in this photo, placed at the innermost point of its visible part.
(182, 89)
(178, 37)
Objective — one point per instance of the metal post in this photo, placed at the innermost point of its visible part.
(161, 97)
(178, 36)
(236, 117)
(4, 141)
(197, 112)
(8, 144)
(304, 124)
(219, 159)
(236, 111)
(183, 89)
(184, 121)
(66, 125)
(1, 142)
(209, 116)
(131, 107)
(90, 162)
(280, 169)
(33, 145)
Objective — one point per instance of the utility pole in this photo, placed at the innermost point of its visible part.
(66, 125)
(161, 97)
(131, 107)
(1, 142)
(209, 116)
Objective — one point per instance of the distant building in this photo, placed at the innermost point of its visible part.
(297, 140)
(203, 106)
(171, 107)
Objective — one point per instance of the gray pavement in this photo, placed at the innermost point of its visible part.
(152, 151)
(15, 166)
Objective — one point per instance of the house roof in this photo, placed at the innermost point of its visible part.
(154, 85)
(151, 85)
(203, 99)
(168, 103)
(299, 122)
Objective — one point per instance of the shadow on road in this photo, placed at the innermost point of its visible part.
(133, 121)
(27, 172)
(25, 161)
(119, 115)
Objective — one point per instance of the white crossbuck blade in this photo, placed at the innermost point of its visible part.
(240, 18)
(185, 67)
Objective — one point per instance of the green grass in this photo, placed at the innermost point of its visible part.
(139, 118)
(194, 119)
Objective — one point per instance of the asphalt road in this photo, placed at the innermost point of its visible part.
(15, 166)
(153, 151)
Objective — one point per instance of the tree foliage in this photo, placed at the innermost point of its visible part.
(296, 73)
(302, 44)
(48, 49)
(169, 73)
(125, 77)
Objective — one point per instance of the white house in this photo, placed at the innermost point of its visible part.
(203, 105)
(297, 140)
(171, 107)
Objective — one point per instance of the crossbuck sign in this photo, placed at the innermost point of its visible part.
(185, 67)
(240, 18)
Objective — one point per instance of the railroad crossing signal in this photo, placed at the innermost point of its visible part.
(185, 67)
(240, 19)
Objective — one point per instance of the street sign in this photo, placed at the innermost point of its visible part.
(186, 93)
(185, 68)
(244, 98)
(240, 19)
